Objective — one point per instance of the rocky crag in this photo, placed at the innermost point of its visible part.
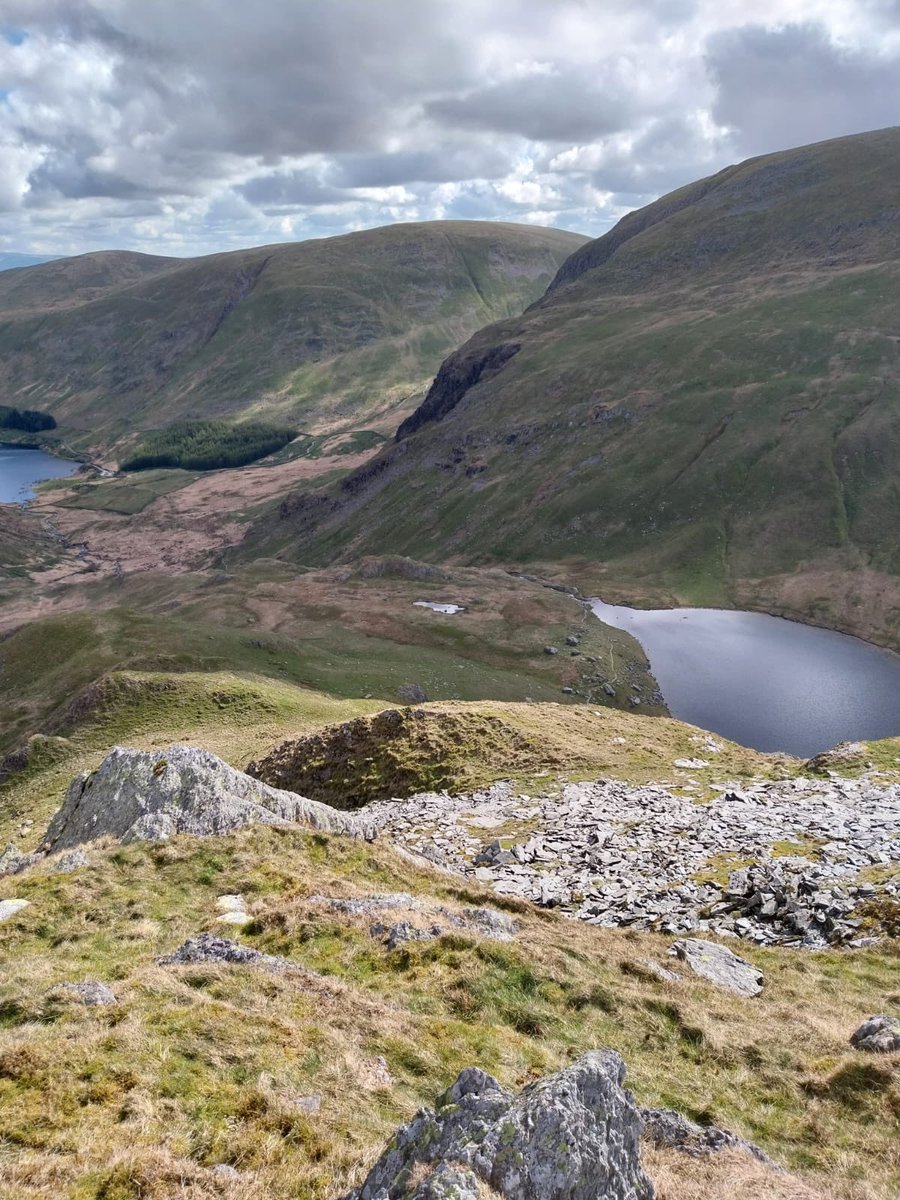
(153, 795)
(805, 861)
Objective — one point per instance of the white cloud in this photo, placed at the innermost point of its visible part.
(212, 123)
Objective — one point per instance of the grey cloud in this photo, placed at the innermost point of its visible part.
(289, 189)
(786, 87)
(132, 120)
(566, 106)
(441, 164)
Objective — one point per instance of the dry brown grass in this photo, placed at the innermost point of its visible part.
(731, 1175)
(203, 1064)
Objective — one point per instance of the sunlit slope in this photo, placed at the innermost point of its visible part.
(705, 406)
(328, 333)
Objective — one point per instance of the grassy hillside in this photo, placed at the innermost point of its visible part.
(350, 634)
(705, 408)
(331, 334)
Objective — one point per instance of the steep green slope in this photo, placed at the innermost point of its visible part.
(704, 407)
(327, 333)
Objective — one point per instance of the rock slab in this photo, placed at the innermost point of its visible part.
(9, 908)
(717, 964)
(90, 992)
(207, 948)
(136, 795)
(572, 1136)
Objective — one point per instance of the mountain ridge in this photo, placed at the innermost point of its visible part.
(334, 332)
(705, 416)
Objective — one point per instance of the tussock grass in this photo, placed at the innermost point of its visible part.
(200, 1065)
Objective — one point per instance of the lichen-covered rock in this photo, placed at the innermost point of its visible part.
(717, 964)
(90, 992)
(135, 795)
(13, 860)
(665, 1127)
(878, 1035)
(207, 948)
(72, 860)
(572, 1136)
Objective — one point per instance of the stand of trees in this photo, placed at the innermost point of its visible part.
(208, 445)
(29, 420)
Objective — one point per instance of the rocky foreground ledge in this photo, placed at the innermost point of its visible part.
(804, 861)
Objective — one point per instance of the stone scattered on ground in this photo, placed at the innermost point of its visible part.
(90, 992)
(716, 963)
(13, 860)
(71, 860)
(225, 1171)
(878, 1035)
(791, 862)
(207, 948)
(376, 1074)
(232, 910)
(670, 1129)
(572, 1136)
(9, 908)
(438, 918)
(666, 974)
(136, 795)
(401, 932)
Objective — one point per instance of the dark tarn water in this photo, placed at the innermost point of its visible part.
(763, 681)
(20, 469)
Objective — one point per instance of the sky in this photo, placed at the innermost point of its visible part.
(191, 126)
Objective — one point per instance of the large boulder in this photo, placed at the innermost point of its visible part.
(572, 1136)
(137, 794)
(720, 966)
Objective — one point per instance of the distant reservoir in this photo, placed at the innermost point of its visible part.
(20, 469)
(763, 681)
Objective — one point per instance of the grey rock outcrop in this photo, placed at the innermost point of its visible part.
(136, 795)
(207, 948)
(717, 964)
(13, 860)
(572, 1136)
(90, 992)
(667, 1128)
(878, 1035)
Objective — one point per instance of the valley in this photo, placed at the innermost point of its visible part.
(323, 778)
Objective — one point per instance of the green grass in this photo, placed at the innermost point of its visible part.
(328, 335)
(126, 496)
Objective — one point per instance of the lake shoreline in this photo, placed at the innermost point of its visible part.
(793, 618)
(762, 679)
(23, 467)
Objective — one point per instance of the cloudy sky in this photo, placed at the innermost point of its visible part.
(187, 126)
